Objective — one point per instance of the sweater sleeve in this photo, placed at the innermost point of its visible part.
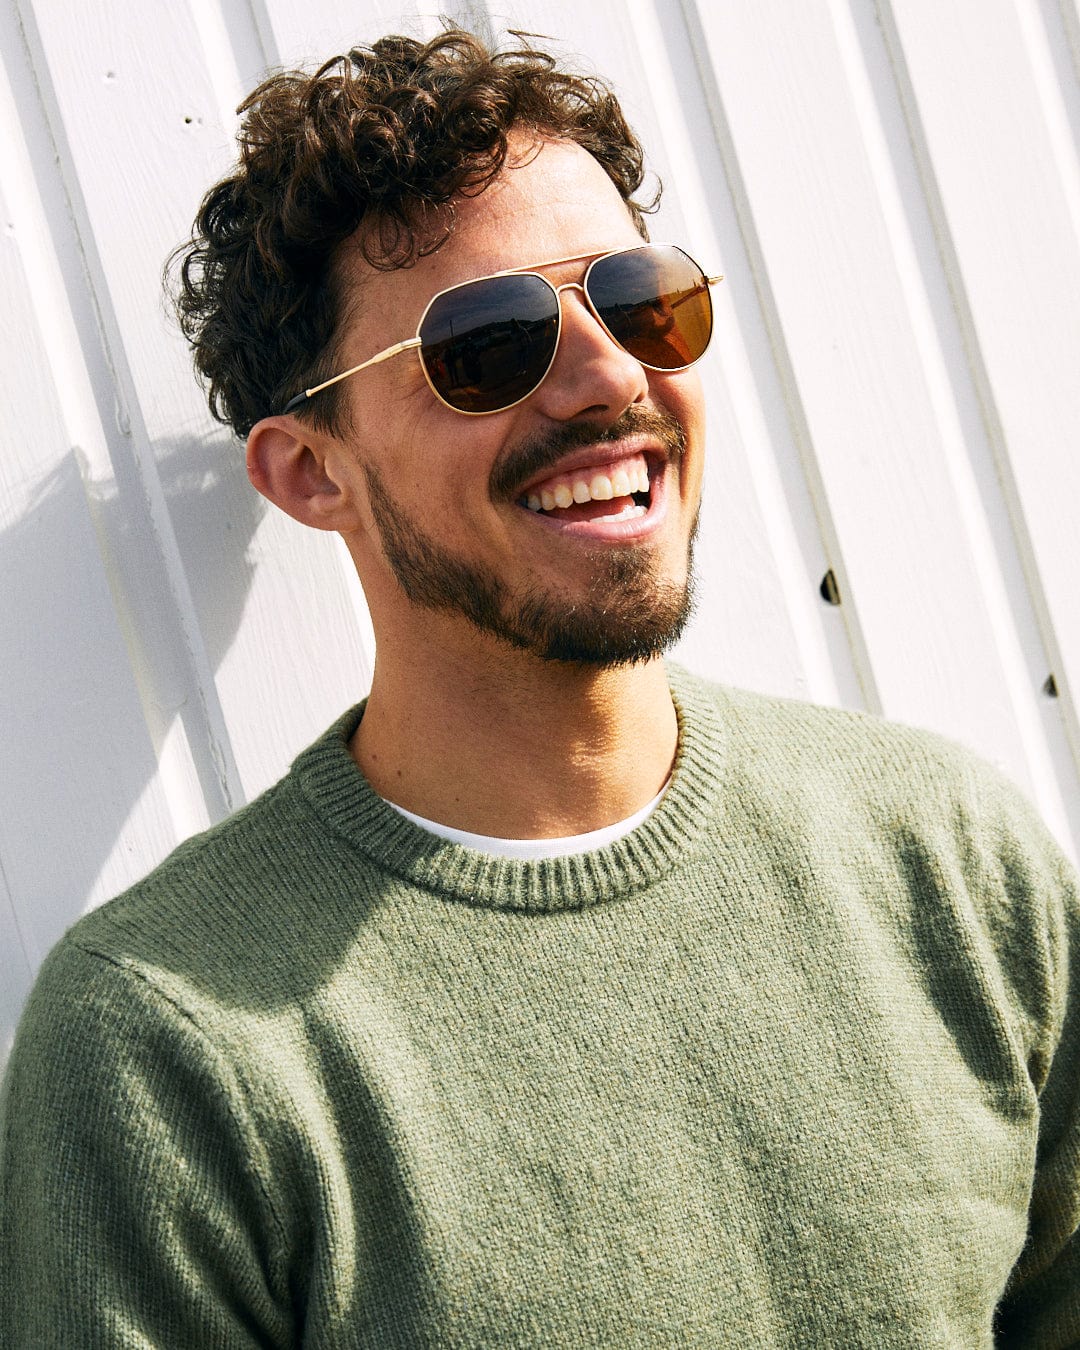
(132, 1212)
(1041, 1310)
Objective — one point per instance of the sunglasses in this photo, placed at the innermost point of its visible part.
(487, 344)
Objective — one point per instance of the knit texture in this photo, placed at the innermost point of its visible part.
(792, 1064)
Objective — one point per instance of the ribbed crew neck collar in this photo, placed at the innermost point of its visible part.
(336, 790)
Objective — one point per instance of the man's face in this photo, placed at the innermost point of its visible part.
(452, 498)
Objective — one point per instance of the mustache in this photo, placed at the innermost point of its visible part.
(544, 450)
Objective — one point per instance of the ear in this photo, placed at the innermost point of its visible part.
(292, 466)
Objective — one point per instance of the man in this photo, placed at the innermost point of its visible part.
(555, 998)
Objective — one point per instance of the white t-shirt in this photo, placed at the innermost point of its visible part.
(533, 850)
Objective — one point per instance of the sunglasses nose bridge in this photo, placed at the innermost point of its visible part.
(567, 286)
(589, 305)
(572, 286)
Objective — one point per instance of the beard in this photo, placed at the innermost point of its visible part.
(628, 615)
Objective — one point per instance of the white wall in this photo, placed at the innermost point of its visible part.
(892, 189)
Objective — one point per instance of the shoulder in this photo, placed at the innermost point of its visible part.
(881, 794)
(228, 911)
(929, 831)
(183, 969)
(794, 747)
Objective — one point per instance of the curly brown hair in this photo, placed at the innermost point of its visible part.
(381, 137)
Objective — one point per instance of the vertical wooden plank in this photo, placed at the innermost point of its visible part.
(732, 546)
(1059, 21)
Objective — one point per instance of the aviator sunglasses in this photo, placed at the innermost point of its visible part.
(487, 344)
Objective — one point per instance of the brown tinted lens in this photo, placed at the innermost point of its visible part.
(655, 302)
(489, 343)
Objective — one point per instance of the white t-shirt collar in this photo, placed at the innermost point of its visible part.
(535, 850)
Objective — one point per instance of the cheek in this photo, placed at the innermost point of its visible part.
(691, 395)
(684, 397)
(436, 464)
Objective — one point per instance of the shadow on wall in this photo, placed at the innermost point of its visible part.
(78, 762)
(215, 512)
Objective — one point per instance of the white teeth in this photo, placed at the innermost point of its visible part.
(625, 481)
(629, 512)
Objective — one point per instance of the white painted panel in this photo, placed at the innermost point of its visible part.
(76, 752)
(1003, 166)
(145, 141)
(93, 389)
(82, 813)
(836, 277)
(306, 35)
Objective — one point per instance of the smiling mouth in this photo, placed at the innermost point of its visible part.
(610, 492)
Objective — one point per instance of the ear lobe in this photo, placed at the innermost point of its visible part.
(287, 463)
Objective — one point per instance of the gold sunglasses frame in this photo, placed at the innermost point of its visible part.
(532, 270)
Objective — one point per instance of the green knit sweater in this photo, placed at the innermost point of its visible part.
(792, 1064)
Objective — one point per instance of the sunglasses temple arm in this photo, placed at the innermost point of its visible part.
(395, 350)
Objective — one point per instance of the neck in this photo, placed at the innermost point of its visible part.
(516, 747)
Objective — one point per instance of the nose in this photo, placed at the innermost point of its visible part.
(591, 376)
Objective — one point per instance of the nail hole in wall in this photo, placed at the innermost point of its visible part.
(830, 591)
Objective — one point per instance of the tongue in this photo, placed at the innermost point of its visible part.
(590, 510)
